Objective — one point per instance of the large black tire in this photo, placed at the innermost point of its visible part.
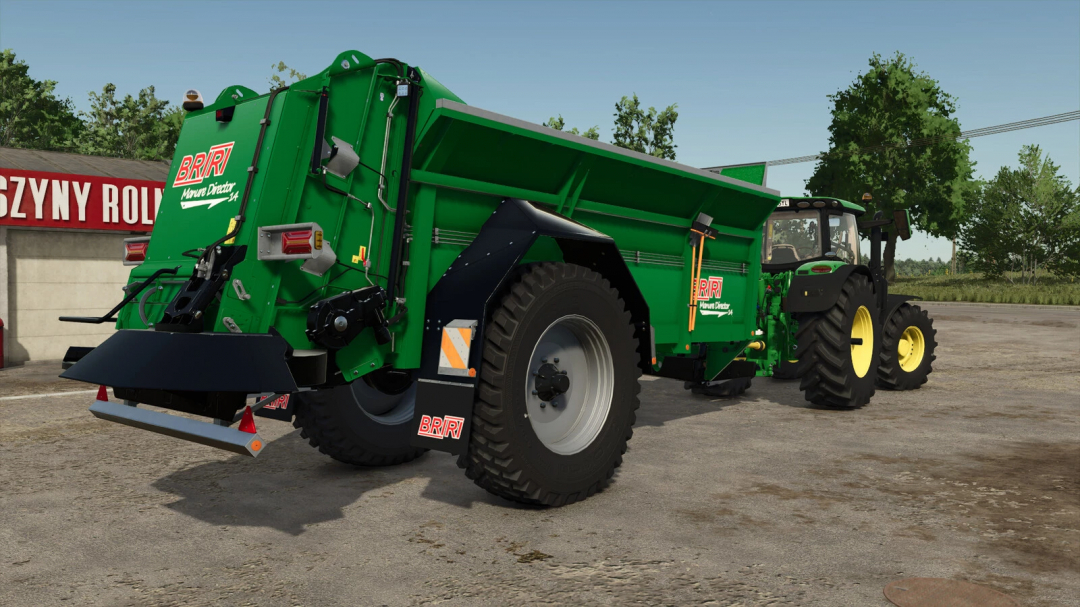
(835, 372)
(907, 349)
(365, 423)
(507, 457)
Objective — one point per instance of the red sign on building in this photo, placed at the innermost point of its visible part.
(34, 199)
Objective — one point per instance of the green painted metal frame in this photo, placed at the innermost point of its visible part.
(465, 161)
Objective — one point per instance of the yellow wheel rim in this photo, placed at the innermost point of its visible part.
(862, 327)
(911, 348)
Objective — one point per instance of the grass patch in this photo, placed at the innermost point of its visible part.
(1050, 290)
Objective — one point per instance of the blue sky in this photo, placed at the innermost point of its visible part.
(750, 79)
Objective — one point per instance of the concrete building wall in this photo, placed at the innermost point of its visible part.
(52, 274)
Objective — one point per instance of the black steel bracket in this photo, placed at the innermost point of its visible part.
(132, 294)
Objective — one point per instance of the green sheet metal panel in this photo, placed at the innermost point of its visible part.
(752, 172)
(647, 205)
(466, 160)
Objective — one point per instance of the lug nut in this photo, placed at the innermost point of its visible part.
(534, 392)
(556, 361)
(542, 405)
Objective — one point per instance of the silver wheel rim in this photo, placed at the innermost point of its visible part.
(571, 421)
(387, 409)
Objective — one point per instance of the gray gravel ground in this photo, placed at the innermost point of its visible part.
(754, 501)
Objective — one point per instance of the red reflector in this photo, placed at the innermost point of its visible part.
(135, 251)
(247, 422)
(821, 269)
(102, 394)
(296, 243)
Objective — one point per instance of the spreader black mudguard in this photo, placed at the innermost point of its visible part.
(202, 373)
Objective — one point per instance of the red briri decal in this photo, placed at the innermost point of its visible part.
(710, 288)
(441, 427)
(193, 169)
(281, 402)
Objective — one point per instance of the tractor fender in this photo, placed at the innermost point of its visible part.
(474, 283)
(893, 303)
(818, 292)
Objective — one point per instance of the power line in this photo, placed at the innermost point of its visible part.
(990, 130)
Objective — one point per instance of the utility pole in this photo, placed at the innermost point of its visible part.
(954, 255)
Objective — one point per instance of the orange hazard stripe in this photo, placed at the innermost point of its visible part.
(450, 351)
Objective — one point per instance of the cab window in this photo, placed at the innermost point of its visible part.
(791, 237)
(844, 237)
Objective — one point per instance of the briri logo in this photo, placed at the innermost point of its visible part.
(193, 169)
(710, 288)
(441, 427)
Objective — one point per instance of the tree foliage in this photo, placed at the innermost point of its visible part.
(646, 131)
(874, 120)
(559, 124)
(142, 128)
(31, 116)
(1024, 220)
(283, 75)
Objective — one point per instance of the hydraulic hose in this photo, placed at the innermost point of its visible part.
(403, 189)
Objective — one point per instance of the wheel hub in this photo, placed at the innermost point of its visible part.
(568, 416)
(550, 381)
(911, 348)
(904, 348)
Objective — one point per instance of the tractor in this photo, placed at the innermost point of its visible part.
(828, 319)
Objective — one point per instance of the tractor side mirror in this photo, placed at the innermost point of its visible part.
(902, 221)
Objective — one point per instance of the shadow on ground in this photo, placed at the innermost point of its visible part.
(292, 485)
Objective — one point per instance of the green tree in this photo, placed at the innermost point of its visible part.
(559, 124)
(143, 127)
(875, 121)
(649, 132)
(31, 116)
(283, 75)
(1024, 220)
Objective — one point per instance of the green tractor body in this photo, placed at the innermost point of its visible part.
(397, 271)
(810, 253)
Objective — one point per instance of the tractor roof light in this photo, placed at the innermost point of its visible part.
(819, 204)
(135, 250)
(803, 204)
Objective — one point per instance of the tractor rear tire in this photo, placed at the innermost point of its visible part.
(907, 349)
(837, 373)
(529, 444)
(365, 423)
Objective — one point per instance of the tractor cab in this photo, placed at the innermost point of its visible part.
(801, 230)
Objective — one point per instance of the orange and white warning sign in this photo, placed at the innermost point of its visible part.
(457, 339)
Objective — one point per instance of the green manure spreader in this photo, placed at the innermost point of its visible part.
(395, 271)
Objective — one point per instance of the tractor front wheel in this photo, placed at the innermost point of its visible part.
(907, 349)
(558, 388)
(838, 355)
